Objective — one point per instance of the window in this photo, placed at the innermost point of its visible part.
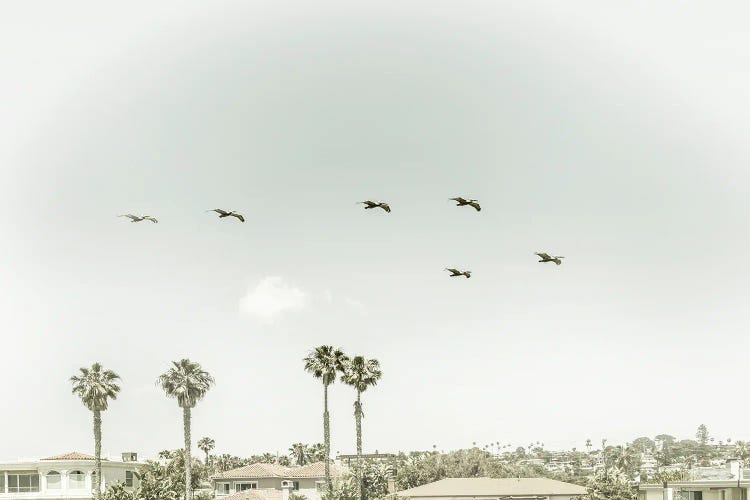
(77, 480)
(54, 481)
(23, 482)
(222, 489)
(245, 486)
(296, 485)
(129, 478)
(2, 481)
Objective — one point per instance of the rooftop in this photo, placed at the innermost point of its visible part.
(72, 456)
(261, 470)
(485, 486)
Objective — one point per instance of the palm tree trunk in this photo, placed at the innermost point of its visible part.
(358, 421)
(98, 452)
(327, 437)
(188, 475)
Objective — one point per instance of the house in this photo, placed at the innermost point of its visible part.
(70, 476)
(273, 481)
(730, 482)
(492, 488)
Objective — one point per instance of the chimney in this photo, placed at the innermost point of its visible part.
(733, 464)
(130, 456)
(286, 489)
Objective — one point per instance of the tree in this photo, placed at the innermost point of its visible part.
(300, 453)
(166, 481)
(118, 491)
(609, 485)
(188, 383)
(206, 444)
(325, 363)
(588, 445)
(360, 373)
(702, 434)
(643, 444)
(96, 386)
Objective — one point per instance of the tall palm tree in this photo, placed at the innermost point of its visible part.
(187, 382)
(206, 444)
(361, 373)
(96, 387)
(300, 452)
(325, 363)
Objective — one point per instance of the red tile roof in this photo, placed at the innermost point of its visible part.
(258, 471)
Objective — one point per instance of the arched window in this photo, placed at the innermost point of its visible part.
(54, 481)
(77, 480)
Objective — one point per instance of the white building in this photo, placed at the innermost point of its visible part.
(273, 482)
(65, 477)
(730, 482)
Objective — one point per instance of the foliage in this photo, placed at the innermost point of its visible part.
(341, 488)
(416, 469)
(186, 381)
(610, 484)
(166, 481)
(666, 476)
(118, 492)
(96, 387)
(297, 496)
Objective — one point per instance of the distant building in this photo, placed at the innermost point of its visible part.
(273, 481)
(70, 476)
(494, 489)
(730, 482)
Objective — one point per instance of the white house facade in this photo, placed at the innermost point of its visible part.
(63, 477)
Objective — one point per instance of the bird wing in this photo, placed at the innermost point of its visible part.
(240, 217)
(152, 219)
(475, 205)
(129, 216)
(454, 271)
(369, 203)
(459, 200)
(218, 211)
(385, 207)
(543, 255)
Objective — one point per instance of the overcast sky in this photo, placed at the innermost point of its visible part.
(611, 133)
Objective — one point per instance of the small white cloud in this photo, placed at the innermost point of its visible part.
(355, 304)
(272, 297)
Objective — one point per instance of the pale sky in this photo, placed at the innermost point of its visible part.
(611, 133)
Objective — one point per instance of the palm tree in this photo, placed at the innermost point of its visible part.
(300, 452)
(187, 382)
(361, 373)
(325, 363)
(206, 444)
(96, 387)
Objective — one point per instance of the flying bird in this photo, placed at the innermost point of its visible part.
(456, 272)
(224, 213)
(371, 204)
(135, 218)
(546, 258)
(460, 202)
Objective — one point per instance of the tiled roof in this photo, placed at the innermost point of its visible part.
(316, 469)
(257, 494)
(258, 471)
(484, 486)
(72, 456)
